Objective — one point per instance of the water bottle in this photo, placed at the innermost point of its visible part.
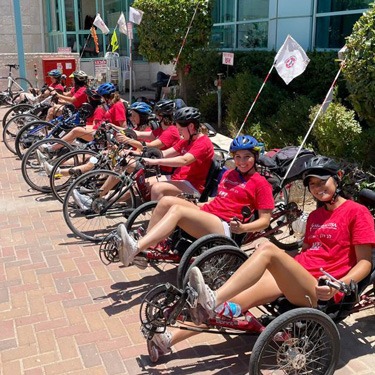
(229, 310)
(299, 225)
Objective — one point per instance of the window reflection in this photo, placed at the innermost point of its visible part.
(341, 5)
(252, 9)
(252, 35)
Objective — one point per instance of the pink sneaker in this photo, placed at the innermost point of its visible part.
(159, 345)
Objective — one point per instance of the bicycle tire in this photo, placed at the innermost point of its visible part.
(138, 220)
(218, 265)
(59, 184)
(285, 346)
(23, 83)
(92, 224)
(197, 248)
(16, 110)
(34, 173)
(33, 132)
(12, 127)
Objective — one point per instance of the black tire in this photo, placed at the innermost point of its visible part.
(31, 133)
(59, 184)
(94, 224)
(33, 173)
(20, 85)
(16, 110)
(300, 341)
(12, 128)
(138, 220)
(197, 248)
(218, 265)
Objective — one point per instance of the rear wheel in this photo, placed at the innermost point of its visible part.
(98, 215)
(16, 110)
(139, 219)
(33, 171)
(218, 265)
(300, 341)
(12, 128)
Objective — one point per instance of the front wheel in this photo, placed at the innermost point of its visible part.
(17, 110)
(197, 248)
(94, 216)
(20, 85)
(218, 265)
(300, 341)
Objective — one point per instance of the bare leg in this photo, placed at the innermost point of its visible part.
(291, 279)
(173, 188)
(197, 225)
(163, 207)
(86, 134)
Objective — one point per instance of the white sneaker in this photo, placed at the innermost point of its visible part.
(128, 246)
(48, 168)
(159, 345)
(206, 298)
(83, 201)
(41, 157)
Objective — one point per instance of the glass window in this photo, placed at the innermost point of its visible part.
(253, 35)
(224, 11)
(253, 9)
(341, 5)
(69, 15)
(87, 13)
(331, 31)
(223, 36)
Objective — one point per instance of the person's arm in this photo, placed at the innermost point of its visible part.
(177, 161)
(146, 136)
(357, 273)
(255, 226)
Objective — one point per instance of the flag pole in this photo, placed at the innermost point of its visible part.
(323, 105)
(130, 69)
(182, 45)
(256, 98)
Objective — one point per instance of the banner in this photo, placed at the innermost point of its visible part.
(99, 23)
(291, 60)
(114, 42)
(95, 38)
(122, 24)
(135, 15)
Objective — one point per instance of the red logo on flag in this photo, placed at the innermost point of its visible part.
(290, 61)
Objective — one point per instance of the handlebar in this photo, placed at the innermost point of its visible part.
(337, 284)
(14, 66)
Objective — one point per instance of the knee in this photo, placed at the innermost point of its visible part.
(267, 249)
(156, 191)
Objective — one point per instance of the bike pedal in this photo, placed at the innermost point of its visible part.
(141, 263)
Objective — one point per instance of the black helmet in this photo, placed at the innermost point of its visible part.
(164, 107)
(187, 115)
(321, 167)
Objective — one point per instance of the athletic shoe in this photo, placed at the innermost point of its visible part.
(84, 201)
(128, 246)
(48, 168)
(41, 157)
(159, 345)
(206, 298)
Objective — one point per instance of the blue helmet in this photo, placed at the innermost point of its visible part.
(142, 108)
(245, 142)
(106, 89)
(54, 73)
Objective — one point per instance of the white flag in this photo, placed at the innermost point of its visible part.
(98, 22)
(291, 60)
(135, 15)
(122, 24)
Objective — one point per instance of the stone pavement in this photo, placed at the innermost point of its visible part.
(63, 312)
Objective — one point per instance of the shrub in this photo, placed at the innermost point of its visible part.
(337, 133)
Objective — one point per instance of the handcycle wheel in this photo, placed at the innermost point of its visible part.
(218, 265)
(32, 132)
(34, 173)
(13, 126)
(139, 219)
(300, 341)
(102, 214)
(59, 183)
(197, 248)
(16, 110)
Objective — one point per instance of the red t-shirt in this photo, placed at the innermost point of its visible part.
(236, 191)
(116, 113)
(98, 117)
(169, 137)
(196, 172)
(79, 95)
(331, 237)
(57, 86)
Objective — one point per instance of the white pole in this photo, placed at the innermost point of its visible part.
(130, 70)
